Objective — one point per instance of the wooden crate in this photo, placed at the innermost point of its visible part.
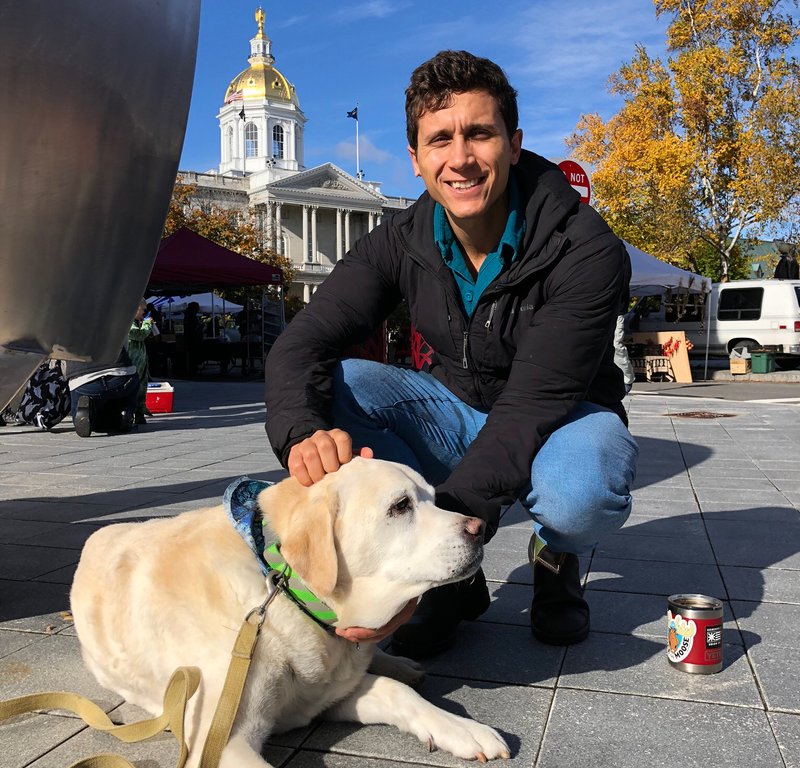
(740, 365)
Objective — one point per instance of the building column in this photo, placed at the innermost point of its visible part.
(305, 234)
(347, 230)
(379, 220)
(371, 221)
(290, 145)
(339, 234)
(242, 152)
(314, 244)
(278, 232)
(262, 223)
(271, 226)
(306, 293)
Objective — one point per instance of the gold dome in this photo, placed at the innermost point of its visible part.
(261, 80)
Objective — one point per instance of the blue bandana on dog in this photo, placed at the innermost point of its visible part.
(241, 505)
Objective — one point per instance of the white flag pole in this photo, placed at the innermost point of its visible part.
(358, 159)
(354, 114)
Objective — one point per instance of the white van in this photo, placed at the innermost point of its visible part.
(752, 314)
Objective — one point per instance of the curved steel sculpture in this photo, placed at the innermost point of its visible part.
(94, 99)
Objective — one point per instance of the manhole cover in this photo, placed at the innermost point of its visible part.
(701, 415)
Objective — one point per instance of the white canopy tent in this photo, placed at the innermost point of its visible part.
(652, 277)
(209, 303)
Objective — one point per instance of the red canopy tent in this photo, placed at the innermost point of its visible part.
(187, 262)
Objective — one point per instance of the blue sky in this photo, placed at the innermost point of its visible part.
(558, 55)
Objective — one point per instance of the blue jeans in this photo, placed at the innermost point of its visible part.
(580, 479)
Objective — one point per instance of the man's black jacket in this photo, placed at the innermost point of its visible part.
(539, 341)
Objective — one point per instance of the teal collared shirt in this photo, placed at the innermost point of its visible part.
(504, 253)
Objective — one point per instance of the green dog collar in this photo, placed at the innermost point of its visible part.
(240, 502)
(296, 589)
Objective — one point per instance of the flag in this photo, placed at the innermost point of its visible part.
(353, 113)
(241, 114)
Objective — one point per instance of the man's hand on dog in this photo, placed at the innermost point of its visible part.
(364, 635)
(322, 453)
(309, 461)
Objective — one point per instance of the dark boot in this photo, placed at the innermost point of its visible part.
(559, 614)
(83, 416)
(126, 421)
(432, 628)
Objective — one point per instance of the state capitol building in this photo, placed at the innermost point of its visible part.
(310, 215)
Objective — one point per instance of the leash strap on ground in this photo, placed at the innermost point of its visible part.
(228, 705)
(181, 687)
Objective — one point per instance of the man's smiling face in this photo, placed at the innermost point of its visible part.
(464, 155)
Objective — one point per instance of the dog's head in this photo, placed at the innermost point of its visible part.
(368, 538)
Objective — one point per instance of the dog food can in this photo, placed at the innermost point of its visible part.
(694, 633)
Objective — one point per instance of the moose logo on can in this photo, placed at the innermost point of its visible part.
(694, 633)
(680, 637)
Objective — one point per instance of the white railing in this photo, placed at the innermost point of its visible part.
(312, 267)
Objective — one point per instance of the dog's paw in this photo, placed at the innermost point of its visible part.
(466, 738)
(399, 668)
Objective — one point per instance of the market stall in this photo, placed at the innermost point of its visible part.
(189, 264)
(663, 354)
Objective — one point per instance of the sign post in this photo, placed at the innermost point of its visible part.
(578, 178)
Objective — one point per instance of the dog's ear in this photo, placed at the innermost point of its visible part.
(303, 519)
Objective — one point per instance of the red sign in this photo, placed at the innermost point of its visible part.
(578, 178)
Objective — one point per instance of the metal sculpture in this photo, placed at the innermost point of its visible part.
(94, 99)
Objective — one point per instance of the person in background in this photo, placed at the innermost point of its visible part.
(621, 356)
(155, 313)
(213, 326)
(787, 267)
(621, 332)
(515, 287)
(141, 328)
(156, 355)
(192, 336)
(103, 395)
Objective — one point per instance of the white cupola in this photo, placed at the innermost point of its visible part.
(260, 122)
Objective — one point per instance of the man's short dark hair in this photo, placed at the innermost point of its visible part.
(435, 82)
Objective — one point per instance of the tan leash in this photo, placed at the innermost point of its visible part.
(228, 704)
(181, 687)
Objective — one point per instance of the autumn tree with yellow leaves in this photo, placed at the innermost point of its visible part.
(705, 150)
(233, 229)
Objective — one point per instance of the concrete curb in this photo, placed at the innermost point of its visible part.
(776, 377)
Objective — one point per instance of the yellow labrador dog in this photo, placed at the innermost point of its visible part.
(150, 597)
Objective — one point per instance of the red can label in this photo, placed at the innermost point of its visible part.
(694, 641)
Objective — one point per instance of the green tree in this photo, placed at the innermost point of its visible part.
(704, 260)
(706, 147)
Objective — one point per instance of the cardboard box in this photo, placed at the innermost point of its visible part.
(740, 365)
(159, 397)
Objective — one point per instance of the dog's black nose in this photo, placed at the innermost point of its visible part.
(474, 527)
